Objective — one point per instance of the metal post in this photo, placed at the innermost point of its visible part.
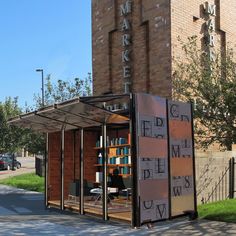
(46, 171)
(73, 156)
(194, 167)
(41, 70)
(104, 190)
(169, 160)
(62, 166)
(42, 89)
(135, 221)
(82, 171)
(230, 178)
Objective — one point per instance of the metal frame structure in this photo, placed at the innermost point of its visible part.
(79, 114)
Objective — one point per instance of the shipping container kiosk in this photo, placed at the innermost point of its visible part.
(128, 157)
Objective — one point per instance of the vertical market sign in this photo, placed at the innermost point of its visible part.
(152, 154)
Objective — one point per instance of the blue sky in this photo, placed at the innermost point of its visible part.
(54, 35)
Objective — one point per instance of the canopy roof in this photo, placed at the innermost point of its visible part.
(74, 114)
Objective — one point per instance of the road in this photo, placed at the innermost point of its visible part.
(27, 166)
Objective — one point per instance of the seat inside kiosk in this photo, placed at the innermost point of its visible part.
(87, 138)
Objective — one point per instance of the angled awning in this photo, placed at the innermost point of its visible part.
(73, 114)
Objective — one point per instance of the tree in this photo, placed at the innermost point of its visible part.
(64, 90)
(13, 138)
(10, 136)
(212, 85)
(55, 93)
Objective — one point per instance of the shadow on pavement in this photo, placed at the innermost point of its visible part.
(23, 213)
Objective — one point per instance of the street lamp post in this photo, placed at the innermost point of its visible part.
(41, 70)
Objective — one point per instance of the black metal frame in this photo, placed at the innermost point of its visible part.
(231, 177)
(135, 221)
(82, 171)
(194, 167)
(46, 172)
(62, 167)
(104, 172)
(168, 158)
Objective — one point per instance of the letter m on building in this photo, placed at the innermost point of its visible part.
(126, 8)
(210, 9)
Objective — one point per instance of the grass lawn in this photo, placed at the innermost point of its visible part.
(219, 211)
(30, 182)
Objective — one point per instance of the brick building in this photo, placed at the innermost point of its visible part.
(134, 42)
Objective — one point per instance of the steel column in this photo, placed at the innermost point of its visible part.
(135, 221)
(194, 167)
(104, 189)
(46, 171)
(62, 167)
(82, 171)
(169, 160)
(233, 176)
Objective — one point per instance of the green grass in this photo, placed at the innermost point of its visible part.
(219, 211)
(30, 182)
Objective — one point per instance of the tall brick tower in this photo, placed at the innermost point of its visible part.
(135, 41)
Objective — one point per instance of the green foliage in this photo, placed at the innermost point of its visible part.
(34, 142)
(55, 93)
(219, 211)
(31, 182)
(64, 90)
(10, 136)
(211, 84)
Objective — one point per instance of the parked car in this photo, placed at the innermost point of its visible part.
(7, 160)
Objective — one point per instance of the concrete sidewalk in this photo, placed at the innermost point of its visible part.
(22, 213)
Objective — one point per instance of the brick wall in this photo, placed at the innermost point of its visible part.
(227, 20)
(188, 19)
(156, 25)
(90, 156)
(150, 47)
(71, 161)
(54, 160)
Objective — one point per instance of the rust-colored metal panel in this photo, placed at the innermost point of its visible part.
(152, 148)
(153, 187)
(181, 166)
(180, 129)
(182, 204)
(181, 157)
(152, 154)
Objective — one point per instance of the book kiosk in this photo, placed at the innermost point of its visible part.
(127, 157)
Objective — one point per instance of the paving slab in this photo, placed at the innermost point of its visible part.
(23, 213)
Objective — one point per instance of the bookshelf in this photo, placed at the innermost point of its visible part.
(119, 156)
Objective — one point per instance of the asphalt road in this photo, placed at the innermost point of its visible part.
(27, 166)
